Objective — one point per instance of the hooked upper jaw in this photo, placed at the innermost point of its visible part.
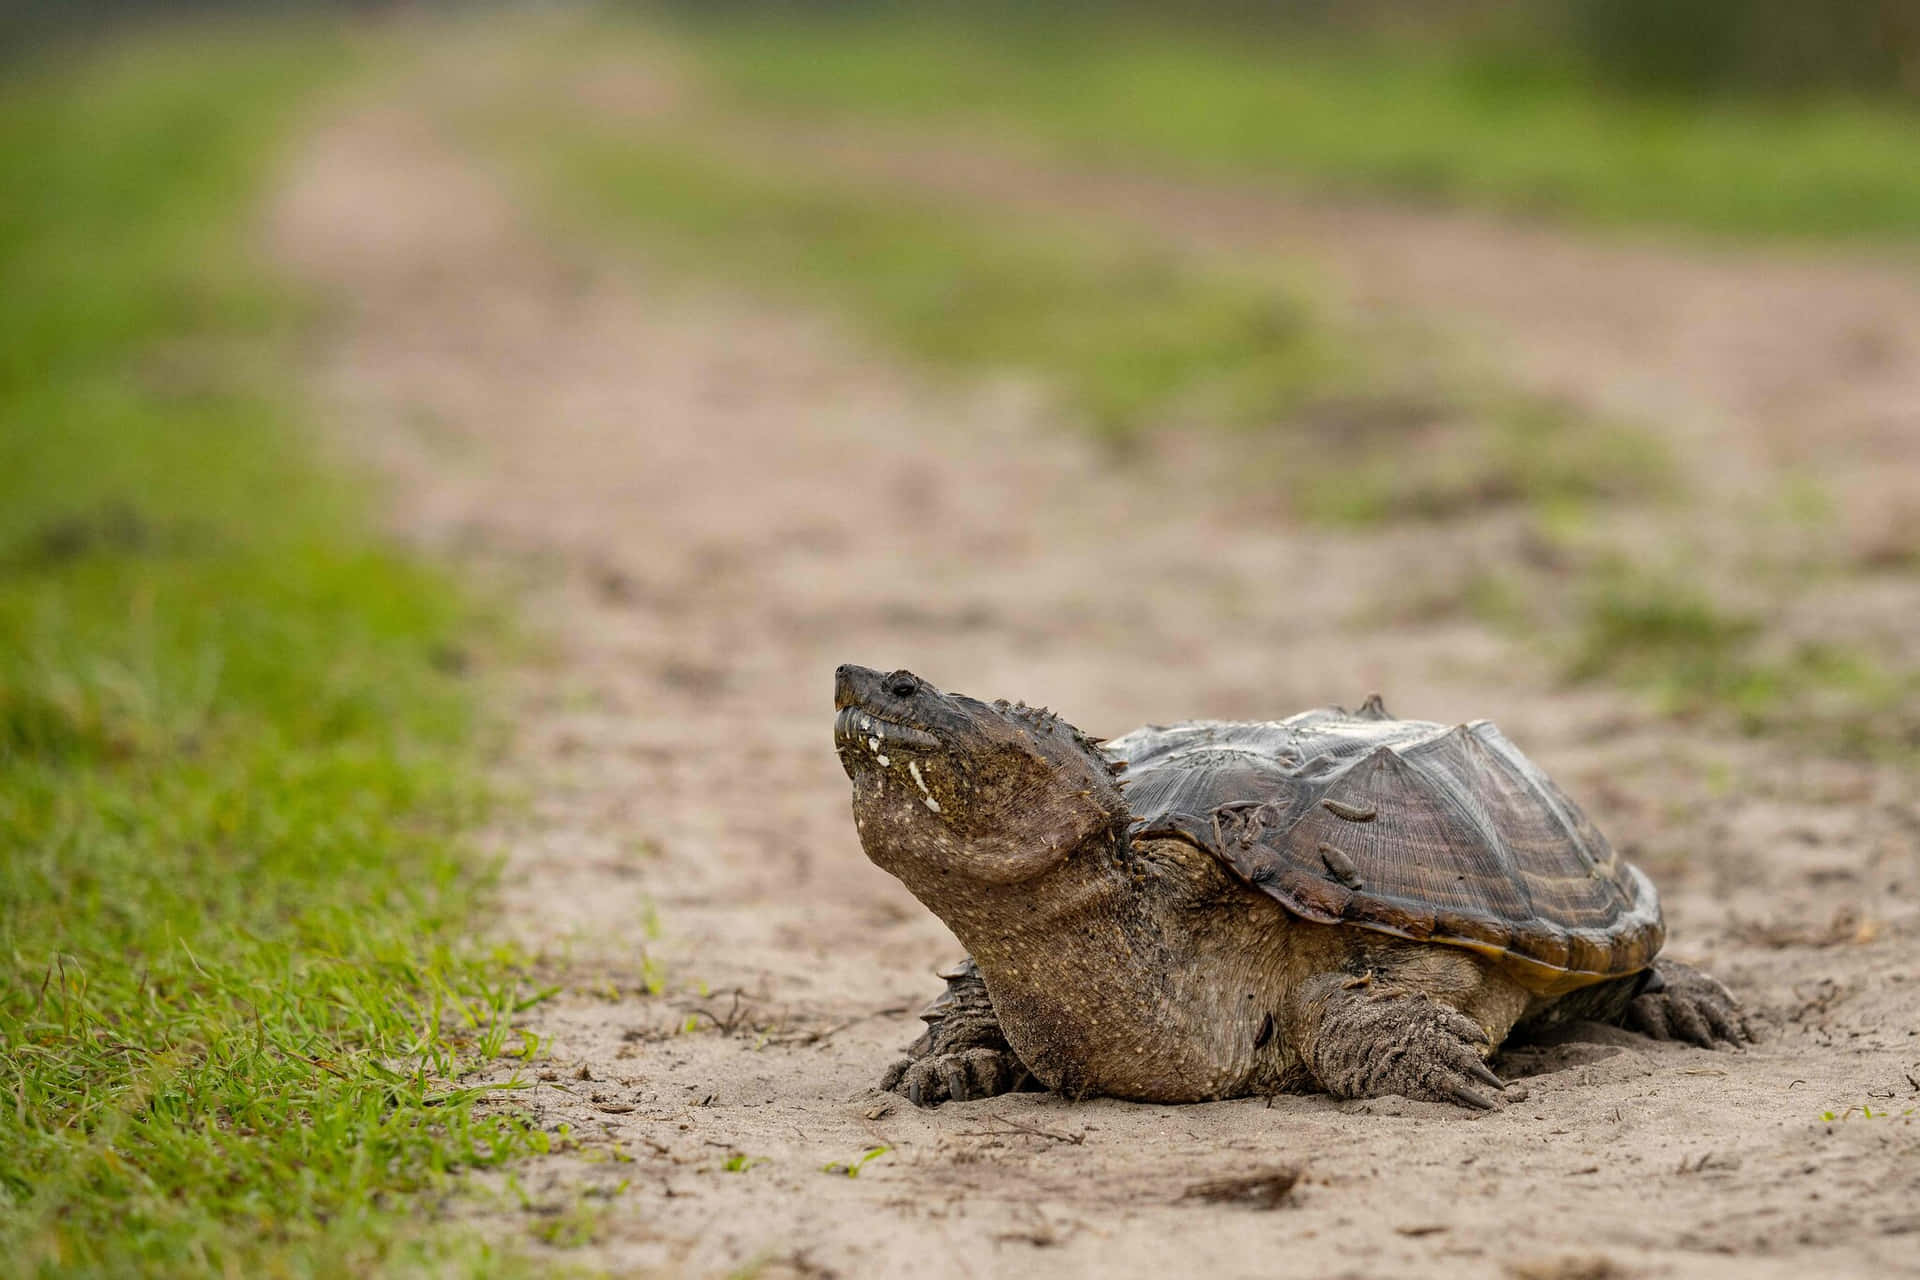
(863, 686)
(872, 709)
(855, 726)
(948, 786)
(896, 737)
(851, 683)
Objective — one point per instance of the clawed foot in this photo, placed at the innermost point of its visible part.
(963, 1054)
(1381, 1042)
(954, 1077)
(1682, 1003)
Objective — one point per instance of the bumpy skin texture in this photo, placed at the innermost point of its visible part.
(1197, 954)
(963, 1055)
(1682, 1003)
(1363, 1040)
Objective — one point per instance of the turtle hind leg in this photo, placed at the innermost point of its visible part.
(963, 1054)
(1680, 1002)
(1362, 1040)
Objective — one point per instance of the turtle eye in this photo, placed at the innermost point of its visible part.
(901, 684)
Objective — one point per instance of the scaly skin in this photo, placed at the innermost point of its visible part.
(963, 1055)
(1682, 1003)
(1146, 968)
(1364, 1041)
(1360, 1041)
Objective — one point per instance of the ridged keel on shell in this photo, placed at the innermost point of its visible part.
(1407, 828)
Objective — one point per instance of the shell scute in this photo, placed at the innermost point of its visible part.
(1468, 844)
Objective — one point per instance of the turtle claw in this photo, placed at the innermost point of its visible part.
(953, 1077)
(1685, 1004)
(1467, 1097)
(1479, 1071)
(1448, 1081)
(962, 1055)
(1414, 1046)
(1729, 1025)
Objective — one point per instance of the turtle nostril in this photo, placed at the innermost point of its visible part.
(901, 684)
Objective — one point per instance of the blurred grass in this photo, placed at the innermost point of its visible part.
(1433, 124)
(234, 735)
(1496, 447)
(1654, 623)
(1669, 636)
(1132, 339)
(1430, 120)
(1129, 336)
(1362, 429)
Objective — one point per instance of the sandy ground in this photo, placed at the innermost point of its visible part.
(706, 504)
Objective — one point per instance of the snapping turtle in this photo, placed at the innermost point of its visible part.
(1339, 900)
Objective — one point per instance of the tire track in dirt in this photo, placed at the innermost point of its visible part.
(1767, 357)
(709, 504)
(1785, 378)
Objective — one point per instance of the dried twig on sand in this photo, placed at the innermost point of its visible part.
(1265, 1189)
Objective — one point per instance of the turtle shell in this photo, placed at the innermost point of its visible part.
(1405, 827)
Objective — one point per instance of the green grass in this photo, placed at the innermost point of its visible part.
(1660, 633)
(1421, 122)
(235, 980)
(852, 1168)
(1494, 448)
(1130, 338)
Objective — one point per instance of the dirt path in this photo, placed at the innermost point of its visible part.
(1763, 349)
(712, 504)
(1791, 358)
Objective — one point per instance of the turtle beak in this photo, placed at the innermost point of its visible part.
(854, 685)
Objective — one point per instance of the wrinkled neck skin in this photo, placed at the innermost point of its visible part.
(1138, 971)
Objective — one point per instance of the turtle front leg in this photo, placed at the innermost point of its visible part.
(1680, 1002)
(1364, 1040)
(963, 1054)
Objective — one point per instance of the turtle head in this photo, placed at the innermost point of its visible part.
(949, 786)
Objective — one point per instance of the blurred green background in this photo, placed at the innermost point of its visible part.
(1739, 117)
(238, 727)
